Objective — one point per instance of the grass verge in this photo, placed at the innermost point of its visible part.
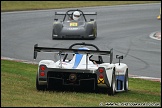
(18, 90)
(35, 5)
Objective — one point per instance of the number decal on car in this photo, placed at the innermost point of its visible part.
(73, 24)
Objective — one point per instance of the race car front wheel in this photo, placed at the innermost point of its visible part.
(126, 81)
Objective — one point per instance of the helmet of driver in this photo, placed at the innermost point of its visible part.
(76, 15)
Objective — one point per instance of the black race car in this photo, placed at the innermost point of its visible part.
(67, 28)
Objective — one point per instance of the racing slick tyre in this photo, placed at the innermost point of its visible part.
(40, 87)
(111, 90)
(95, 35)
(126, 81)
(52, 36)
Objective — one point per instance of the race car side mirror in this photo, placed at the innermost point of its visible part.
(55, 19)
(35, 52)
(119, 57)
(61, 54)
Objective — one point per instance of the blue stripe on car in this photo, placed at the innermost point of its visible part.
(78, 58)
(120, 81)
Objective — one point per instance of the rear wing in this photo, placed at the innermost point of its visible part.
(85, 13)
(76, 51)
(70, 12)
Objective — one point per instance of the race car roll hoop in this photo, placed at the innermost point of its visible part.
(62, 51)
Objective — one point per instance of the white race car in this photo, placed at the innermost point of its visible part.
(81, 67)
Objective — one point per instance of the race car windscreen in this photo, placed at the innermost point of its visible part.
(69, 17)
(92, 57)
(67, 53)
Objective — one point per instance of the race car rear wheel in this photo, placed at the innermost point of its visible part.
(111, 90)
(126, 81)
(40, 87)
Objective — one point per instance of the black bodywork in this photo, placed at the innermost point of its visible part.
(67, 28)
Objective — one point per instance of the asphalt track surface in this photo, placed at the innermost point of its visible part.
(124, 28)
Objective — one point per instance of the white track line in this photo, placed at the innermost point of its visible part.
(156, 35)
(146, 78)
(18, 60)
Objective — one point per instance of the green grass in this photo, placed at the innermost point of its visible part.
(34, 5)
(18, 90)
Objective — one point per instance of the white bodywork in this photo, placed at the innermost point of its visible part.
(81, 64)
(84, 67)
(120, 69)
